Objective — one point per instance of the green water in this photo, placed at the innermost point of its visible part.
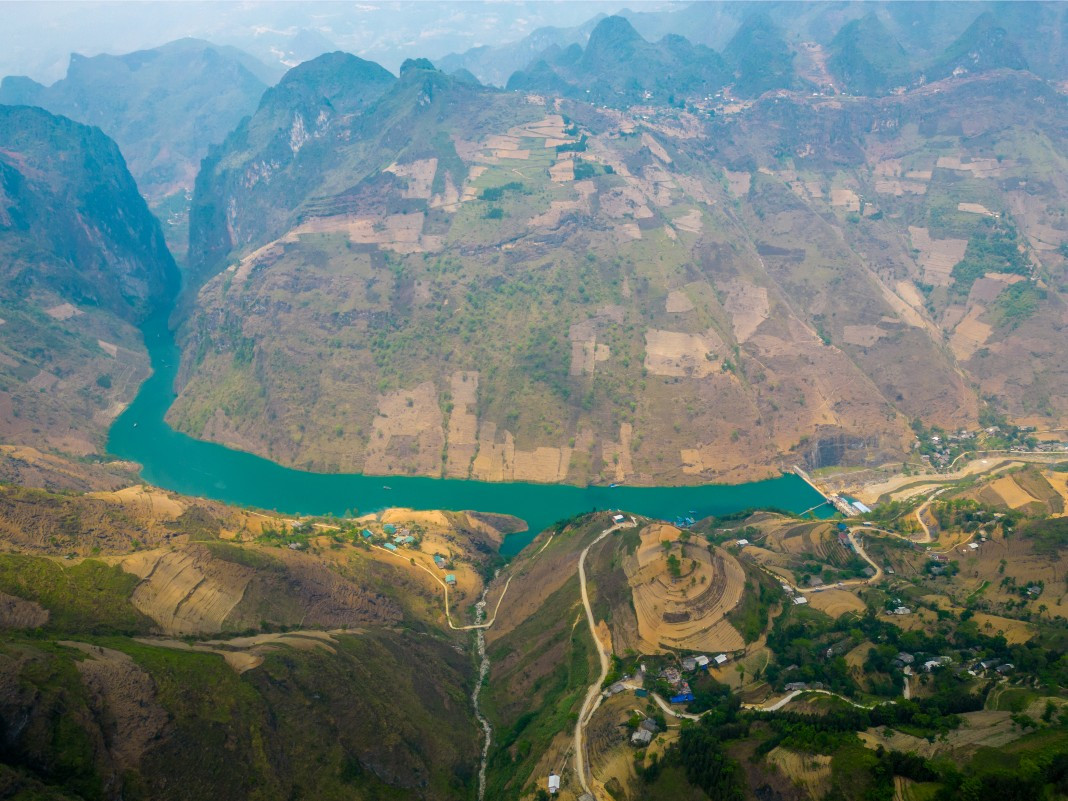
(183, 464)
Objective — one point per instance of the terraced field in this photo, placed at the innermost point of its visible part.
(685, 611)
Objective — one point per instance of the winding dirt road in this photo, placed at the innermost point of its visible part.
(444, 586)
(593, 695)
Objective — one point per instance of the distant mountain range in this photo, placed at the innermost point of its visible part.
(163, 106)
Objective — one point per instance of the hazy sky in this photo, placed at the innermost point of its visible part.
(36, 38)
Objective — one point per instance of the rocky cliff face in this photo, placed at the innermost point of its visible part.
(73, 220)
(83, 262)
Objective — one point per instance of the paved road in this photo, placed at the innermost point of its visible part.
(593, 695)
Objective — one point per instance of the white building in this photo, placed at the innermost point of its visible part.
(554, 784)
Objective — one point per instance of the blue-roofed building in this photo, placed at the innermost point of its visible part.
(439, 560)
(389, 528)
(406, 540)
(682, 698)
(366, 534)
(450, 579)
(389, 546)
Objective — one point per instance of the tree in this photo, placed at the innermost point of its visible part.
(673, 566)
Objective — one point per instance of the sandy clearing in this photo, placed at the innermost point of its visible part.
(399, 232)
(64, 311)
(449, 199)
(419, 174)
(970, 334)
(691, 222)
(908, 292)
(249, 262)
(673, 353)
(499, 460)
(656, 148)
(747, 305)
(678, 302)
(987, 288)
(410, 419)
(44, 381)
(556, 211)
(147, 500)
(110, 348)
(18, 613)
(980, 168)
(983, 728)
(899, 187)
(470, 191)
(618, 453)
(183, 593)
(738, 182)
(586, 351)
(463, 424)
(975, 208)
(562, 170)
(518, 155)
(625, 202)
(846, 199)
(862, 335)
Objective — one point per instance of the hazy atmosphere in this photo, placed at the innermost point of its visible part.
(513, 401)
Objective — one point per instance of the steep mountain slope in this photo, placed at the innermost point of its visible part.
(164, 107)
(620, 68)
(760, 58)
(984, 46)
(130, 719)
(581, 295)
(281, 151)
(866, 59)
(342, 682)
(83, 262)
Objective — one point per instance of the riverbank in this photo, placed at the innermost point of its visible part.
(178, 462)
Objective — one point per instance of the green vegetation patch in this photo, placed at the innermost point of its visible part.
(1016, 303)
(994, 247)
(761, 594)
(88, 597)
(1050, 535)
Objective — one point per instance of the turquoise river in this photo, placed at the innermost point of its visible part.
(178, 462)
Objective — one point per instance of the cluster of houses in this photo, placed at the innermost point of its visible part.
(908, 664)
(682, 694)
(394, 537)
(895, 607)
(797, 598)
